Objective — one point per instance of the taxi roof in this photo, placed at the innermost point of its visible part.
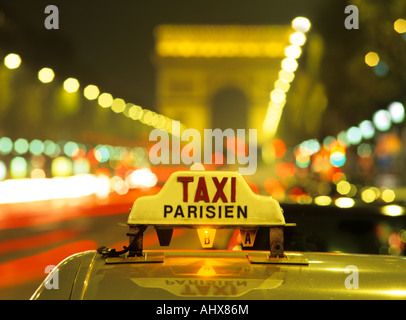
(218, 274)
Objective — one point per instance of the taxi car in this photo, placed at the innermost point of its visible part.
(210, 201)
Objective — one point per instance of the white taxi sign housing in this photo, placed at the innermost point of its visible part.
(206, 198)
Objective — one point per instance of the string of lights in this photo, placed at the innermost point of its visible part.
(67, 157)
(104, 99)
(293, 51)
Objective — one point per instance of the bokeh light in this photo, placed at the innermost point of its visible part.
(118, 105)
(18, 168)
(388, 195)
(297, 38)
(135, 112)
(21, 146)
(36, 147)
(343, 187)
(381, 69)
(46, 75)
(301, 24)
(354, 135)
(51, 149)
(278, 147)
(61, 167)
(337, 153)
(293, 51)
(105, 100)
(285, 170)
(6, 145)
(322, 200)
(143, 178)
(71, 85)
(344, 202)
(367, 129)
(3, 170)
(372, 59)
(368, 195)
(400, 25)
(382, 120)
(91, 92)
(12, 61)
(70, 147)
(286, 76)
(289, 64)
(393, 210)
(364, 150)
(397, 112)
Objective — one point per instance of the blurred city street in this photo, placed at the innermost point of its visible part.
(35, 235)
(101, 102)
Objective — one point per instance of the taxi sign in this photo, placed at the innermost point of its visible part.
(206, 201)
(207, 198)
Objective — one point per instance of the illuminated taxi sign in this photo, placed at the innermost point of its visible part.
(205, 201)
(207, 198)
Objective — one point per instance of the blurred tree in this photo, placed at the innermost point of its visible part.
(334, 88)
(354, 89)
